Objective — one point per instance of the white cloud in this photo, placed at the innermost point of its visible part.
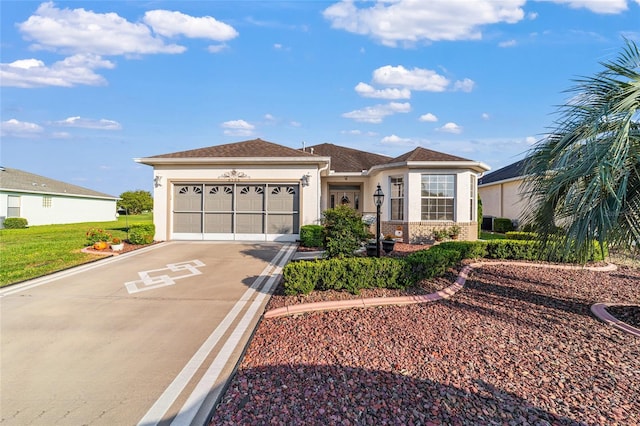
(396, 140)
(84, 31)
(412, 21)
(237, 128)
(428, 117)
(72, 71)
(450, 127)
(88, 123)
(172, 23)
(465, 85)
(530, 140)
(532, 16)
(415, 79)
(508, 43)
(376, 113)
(18, 128)
(597, 6)
(217, 48)
(485, 116)
(295, 124)
(269, 117)
(367, 91)
(351, 132)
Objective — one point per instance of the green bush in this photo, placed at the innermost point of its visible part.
(467, 249)
(142, 234)
(502, 224)
(349, 274)
(15, 223)
(515, 235)
(355, 274)
(344, 230)
(479, 215)
(311, 236)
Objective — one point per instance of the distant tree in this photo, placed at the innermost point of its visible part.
(135, 202)
(585, 174)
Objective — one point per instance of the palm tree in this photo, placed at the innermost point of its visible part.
(585, 174)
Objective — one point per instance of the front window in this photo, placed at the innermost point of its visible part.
(13, 206)
(397, 198)
(46, 201)
(438, 197)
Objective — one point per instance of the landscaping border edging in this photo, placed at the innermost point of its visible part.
(408, 300)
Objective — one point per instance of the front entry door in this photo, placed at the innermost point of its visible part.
(347, 195)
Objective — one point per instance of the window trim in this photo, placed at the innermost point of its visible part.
(400, 198)
(437, 197)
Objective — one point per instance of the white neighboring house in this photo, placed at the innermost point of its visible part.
(44, 201)
(501, 192)
(259, 190)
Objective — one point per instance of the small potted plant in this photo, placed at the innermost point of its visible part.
(388, 243)
(454, 232)
(440, 234)
(116, 244)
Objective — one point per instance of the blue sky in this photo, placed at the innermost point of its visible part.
(88, 86)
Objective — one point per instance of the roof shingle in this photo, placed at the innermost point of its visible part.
(250, 148)
(348, 159)
(508, 172)
(424, 154)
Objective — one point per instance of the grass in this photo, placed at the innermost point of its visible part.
(484, 235)
(40, 250)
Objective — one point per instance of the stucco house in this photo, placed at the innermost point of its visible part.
(44, 201)
(501, 193)
(259, 190)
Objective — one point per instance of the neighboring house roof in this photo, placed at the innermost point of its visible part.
(347, 159)
(424, 154)
(509, 172)
(250, 148)
(21, 181)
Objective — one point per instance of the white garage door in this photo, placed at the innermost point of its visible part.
(236, 211)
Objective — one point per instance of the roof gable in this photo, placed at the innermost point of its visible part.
(348, 159)
(21, 181)
(251, 148)
(424, 154)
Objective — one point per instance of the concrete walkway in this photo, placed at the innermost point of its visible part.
(148, 337)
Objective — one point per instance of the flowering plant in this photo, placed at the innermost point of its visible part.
(116, 240)
(96, 234)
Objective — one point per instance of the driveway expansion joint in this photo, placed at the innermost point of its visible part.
(432, 297)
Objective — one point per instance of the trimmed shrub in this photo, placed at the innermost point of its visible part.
(502, 224)
(349, 274)
(479, 215)
(142, 234)
(311, 236)
(15, 223)
(515, 235)
(467, 249)
(344, 230)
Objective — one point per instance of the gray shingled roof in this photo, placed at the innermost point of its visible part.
(21, 181)
(348, 159)
(250, 148)
(508, 172)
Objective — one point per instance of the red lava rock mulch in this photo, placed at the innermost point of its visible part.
(517, 346)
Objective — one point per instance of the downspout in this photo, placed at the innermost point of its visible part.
(320, 170)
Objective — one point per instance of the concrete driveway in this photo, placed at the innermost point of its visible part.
(149, 337)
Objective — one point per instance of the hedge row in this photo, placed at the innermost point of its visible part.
(312, 236)
(355, 274)
(142, 234)
(15, 223)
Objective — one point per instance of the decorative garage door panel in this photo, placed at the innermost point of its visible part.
(236, 211)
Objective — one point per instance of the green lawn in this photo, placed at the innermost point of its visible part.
(40, 250)
(484, 235)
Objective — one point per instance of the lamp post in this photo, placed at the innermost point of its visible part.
(378, 198)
